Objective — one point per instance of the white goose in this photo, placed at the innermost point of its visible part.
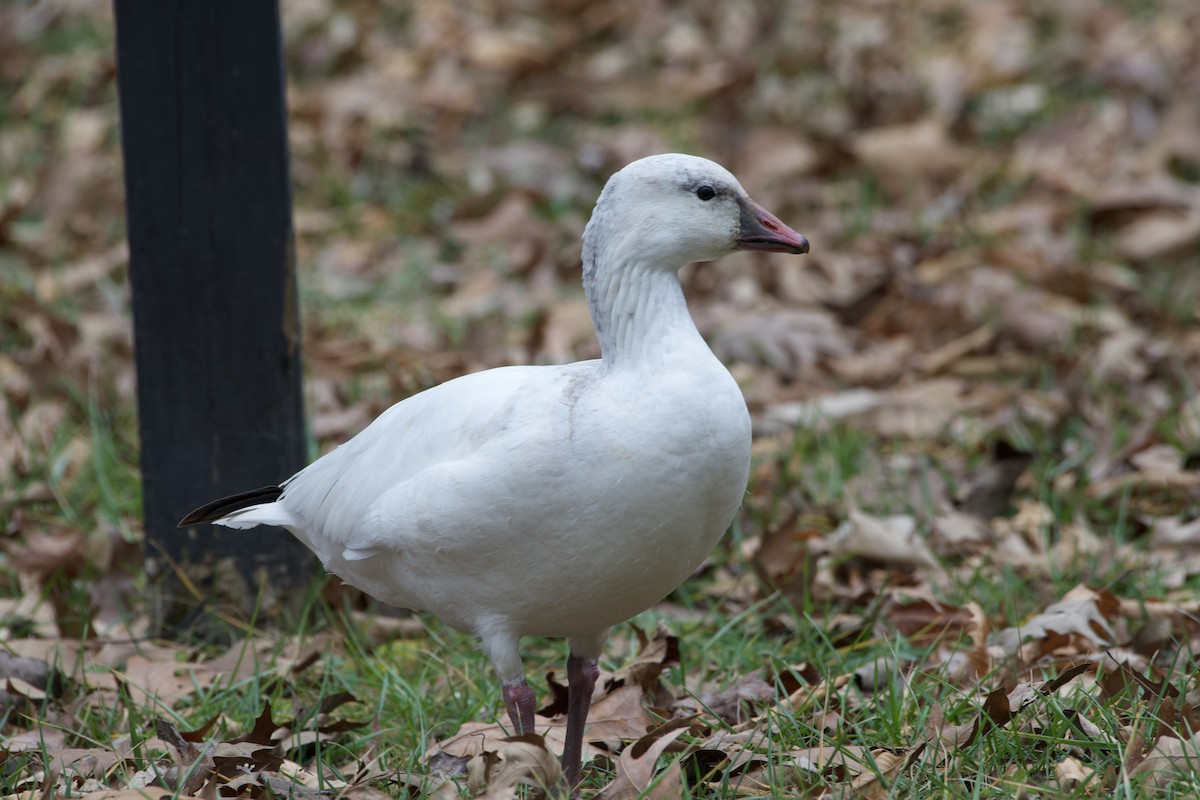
(554, 500)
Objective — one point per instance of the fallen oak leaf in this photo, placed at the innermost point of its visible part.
(885, 765)
(1168, 758)
(37, 738)
(1065, 677)
(1175, 715)
(925, 620)
(336, 701)
(1162, 690)
(170, 734)
(737, 702)
(82, 762)
(1072, 775)
(802, 770)
(237, 784)
(199, 734)
(947, 736)
(1083, 616)
(144, 793)
(610, 725)
(236, 758)
(16, 687)
(654, 655)
(1001, 705)
(897, 153)
(304, 776)
(517, 761)
(447, 763)
(289, 786)
(636, 766)
(839, 762)
(195, 764)
(25, 678)
(316, 727)
(805, 697)
(342, 725)
(147, 682)
(264, 730)
(618, 717)
(891, 540)
(408, 784)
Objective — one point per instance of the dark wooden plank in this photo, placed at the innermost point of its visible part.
(212, 267)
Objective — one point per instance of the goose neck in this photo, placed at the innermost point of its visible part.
(639, 312)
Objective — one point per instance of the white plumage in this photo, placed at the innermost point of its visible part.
(556, 500)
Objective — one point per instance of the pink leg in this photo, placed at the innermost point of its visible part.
(520, 699)
(581, 682)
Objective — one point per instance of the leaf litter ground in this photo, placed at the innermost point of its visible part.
(968, 561)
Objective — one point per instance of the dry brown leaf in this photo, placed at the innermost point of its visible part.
(520, 761)
(791, 342)
(891, 540)
(806, 766)
(875, 783)
(638, 762)
(45, 554)
(959, 533)
(920, 411)
(926, 620)
(1169, 760)
(655, 654)
(155, 684)
(901, 152)
(26, 678)
(1159, 235)
(818, 413)
(879, 364)
(939, 359)
(566, 328)
(1072, 775)
(1173, 532)
(82, 763)
(975, 261)
(618, 717)
(945, 736)
(771, 159)
(1081, 621)
(473, 738)
(784, 560)
(141, 793)
(739, 701)
(509, 50)
(807, 696)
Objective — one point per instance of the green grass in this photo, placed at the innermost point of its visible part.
(413, 691)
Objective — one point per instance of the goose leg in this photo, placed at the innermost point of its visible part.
(581, 682)
(504, 650)
(520, 699)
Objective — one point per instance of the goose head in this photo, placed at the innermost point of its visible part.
(669, 210)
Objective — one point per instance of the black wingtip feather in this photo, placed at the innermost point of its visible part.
(227, 505)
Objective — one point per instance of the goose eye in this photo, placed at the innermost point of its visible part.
(706, 192)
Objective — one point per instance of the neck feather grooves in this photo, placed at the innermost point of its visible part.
(640, 314)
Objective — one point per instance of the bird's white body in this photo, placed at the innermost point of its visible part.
(555, 500)
(549, 501)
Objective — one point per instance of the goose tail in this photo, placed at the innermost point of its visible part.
(243, 510)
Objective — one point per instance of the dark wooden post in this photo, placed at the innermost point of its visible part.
(212, 266)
